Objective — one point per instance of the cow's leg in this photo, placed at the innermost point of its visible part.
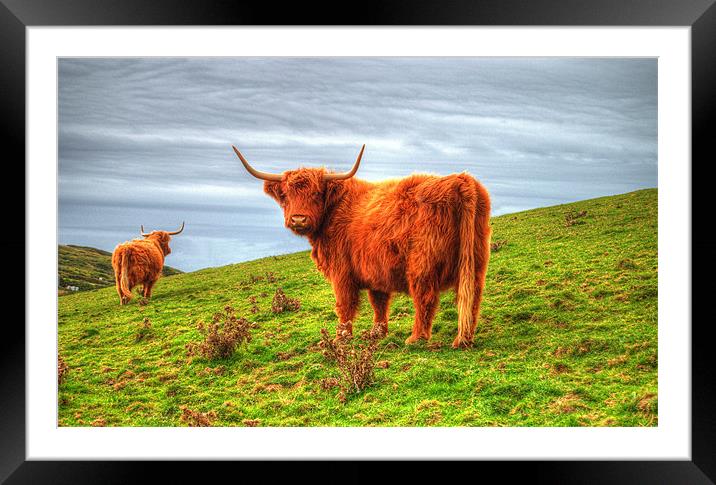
(425, 299)
(347, 298)
(381, 306)
(117, 280)
(148, 286)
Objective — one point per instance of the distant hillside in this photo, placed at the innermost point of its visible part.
(87, 268)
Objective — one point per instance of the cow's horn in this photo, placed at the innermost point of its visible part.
(177, 232)
(346, 175)
(141, 231)
(256, 173)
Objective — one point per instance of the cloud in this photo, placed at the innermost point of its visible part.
(156, 132)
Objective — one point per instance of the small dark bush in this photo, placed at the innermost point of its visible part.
(196, 418)
(144, 330)
(356, 361)
(89, 332)
(282, 303)
(330, 383)
(626, 264)
(570, 218)
(252, 280)
(222, 336)
(62, 369)
(497, 245)
(254, 305)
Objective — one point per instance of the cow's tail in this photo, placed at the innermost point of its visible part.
(467, 263)
(124, 276)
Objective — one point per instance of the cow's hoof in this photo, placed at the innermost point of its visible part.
(414, 338)
(379, 331)
(344, 330)
(459, 343)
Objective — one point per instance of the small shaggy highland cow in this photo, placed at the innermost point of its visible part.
(140, 262)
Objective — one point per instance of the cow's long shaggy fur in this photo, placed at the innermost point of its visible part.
(418, 235)
(139, 262)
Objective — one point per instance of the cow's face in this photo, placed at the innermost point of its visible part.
(304, 196)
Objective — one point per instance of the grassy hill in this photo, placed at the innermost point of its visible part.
(88, 268)
(568, 337)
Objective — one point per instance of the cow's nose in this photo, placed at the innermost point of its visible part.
(299, 219)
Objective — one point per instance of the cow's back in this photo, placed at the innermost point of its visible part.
(145, 260)
(404, 228)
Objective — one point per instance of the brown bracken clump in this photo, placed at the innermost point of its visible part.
(196, 418)
(282, 303)
(144, 330)
(570, 218)
(497, 245)
(356, 361)
(62, 369)
(254, 304)
(222, 336)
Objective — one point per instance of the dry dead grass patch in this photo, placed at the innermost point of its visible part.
(195, 418)
(568, 403)
(647, 406)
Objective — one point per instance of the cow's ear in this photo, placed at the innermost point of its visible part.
(274, 189)
(333, 193)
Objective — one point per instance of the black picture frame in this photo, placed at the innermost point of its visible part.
(700, 15)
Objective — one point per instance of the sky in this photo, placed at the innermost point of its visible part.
(148, 140)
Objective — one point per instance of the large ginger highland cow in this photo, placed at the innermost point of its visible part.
(419, 235)
(140, 262)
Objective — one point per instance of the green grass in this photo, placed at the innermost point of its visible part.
(88, 268)
(568, 337)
